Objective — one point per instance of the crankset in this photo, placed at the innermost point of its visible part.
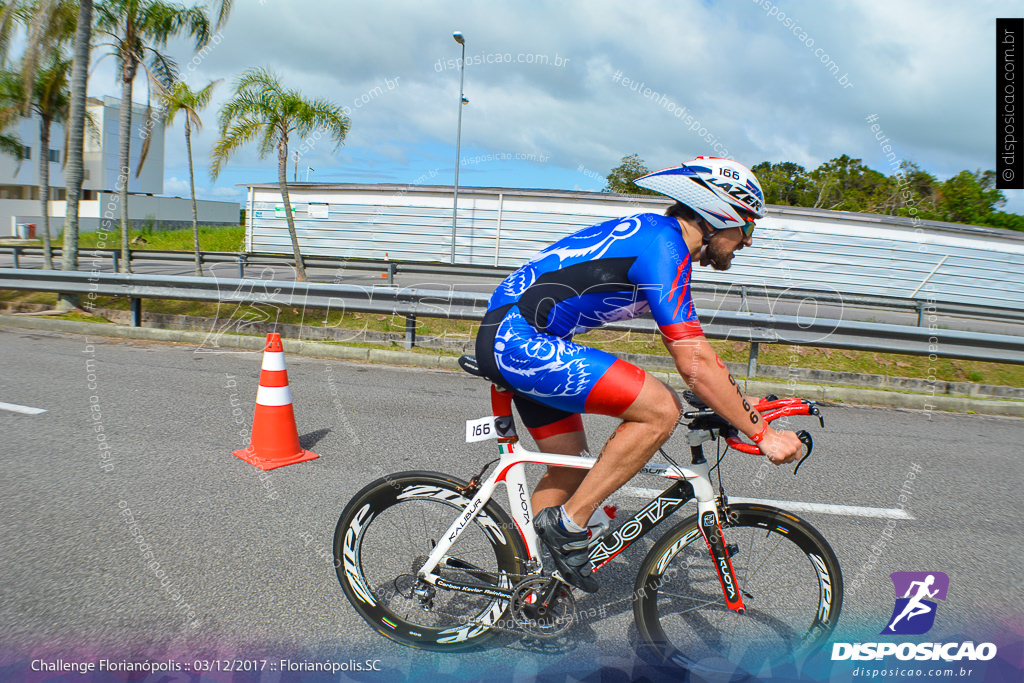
(543, 606)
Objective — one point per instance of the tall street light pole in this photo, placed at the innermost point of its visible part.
(458, 138)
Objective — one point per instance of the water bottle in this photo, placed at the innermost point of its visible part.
(601, 521)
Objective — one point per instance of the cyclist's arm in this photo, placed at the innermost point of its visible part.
(662, 273)
(703, 371)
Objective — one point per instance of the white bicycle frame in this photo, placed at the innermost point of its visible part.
(511, 472)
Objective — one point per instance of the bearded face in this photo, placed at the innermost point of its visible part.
(719, 251)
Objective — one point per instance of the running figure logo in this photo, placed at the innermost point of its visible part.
(914, 613)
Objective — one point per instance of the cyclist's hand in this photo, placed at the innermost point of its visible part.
(781, 447)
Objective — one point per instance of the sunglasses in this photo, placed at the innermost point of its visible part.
(748, 226)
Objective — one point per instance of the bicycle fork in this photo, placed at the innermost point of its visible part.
(711, 530)
(710, 525)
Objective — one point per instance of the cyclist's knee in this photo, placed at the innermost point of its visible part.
(664, 412)
(656, 410)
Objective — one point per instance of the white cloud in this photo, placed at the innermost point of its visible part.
(175, 187)
(222, 194)
(924, 67)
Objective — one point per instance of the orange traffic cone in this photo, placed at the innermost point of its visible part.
(275, 438)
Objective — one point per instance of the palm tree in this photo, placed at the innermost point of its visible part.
(51, 98)
(49, 101)
(50, 26)
(10, 113)
(73, 171)
(7, 20)
(76, 133)
(184, 99)
(137, 28)
(11, 145)
(261, 108)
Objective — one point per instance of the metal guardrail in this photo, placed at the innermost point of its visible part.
(114, 255)
(391, 269)
(411, 303)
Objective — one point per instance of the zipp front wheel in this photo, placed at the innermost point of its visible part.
(386, 533)
(788, 576)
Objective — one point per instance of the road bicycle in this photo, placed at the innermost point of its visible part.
(432, 561)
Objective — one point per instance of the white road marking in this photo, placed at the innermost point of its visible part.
(21, 409)
(793, 505)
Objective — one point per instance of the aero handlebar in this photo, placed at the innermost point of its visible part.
(774, 409)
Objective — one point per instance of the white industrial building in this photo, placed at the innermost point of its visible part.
(793, 247)
(19, 179)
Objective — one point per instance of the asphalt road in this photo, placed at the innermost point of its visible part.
(726, 301)
(248, 553)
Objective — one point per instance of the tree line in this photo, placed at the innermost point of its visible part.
(48, 80)
(846, 184)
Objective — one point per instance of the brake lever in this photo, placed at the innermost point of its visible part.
(805, 439)
(813, 410)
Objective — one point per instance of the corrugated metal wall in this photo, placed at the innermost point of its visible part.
(848, 253)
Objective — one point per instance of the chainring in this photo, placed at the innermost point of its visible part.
(535, 618)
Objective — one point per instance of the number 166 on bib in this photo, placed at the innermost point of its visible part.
(480, 430)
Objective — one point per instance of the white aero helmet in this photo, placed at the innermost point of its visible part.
(717, 189)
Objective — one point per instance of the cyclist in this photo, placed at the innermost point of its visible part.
(618, 270)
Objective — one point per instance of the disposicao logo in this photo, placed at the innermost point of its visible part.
(914, 614)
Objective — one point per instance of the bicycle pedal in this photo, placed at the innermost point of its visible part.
(561, 579)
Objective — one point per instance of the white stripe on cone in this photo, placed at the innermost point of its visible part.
(273, 396)
(273, 360)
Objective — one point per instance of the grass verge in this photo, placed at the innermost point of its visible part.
(211, 238)
(890, 364)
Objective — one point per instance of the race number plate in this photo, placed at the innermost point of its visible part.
(480, 430)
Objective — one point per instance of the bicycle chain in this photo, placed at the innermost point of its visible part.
(519, 631)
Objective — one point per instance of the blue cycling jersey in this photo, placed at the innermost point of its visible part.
(615, 270)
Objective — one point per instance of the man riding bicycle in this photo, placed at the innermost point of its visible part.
(617, 270)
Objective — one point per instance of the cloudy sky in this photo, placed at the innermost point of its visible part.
(559, 90)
